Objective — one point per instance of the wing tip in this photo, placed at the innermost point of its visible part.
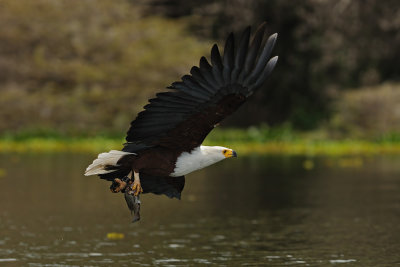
(274, 60)
(275, 36)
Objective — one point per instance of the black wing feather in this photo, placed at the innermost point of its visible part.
(267, 70)
(207, 85)
(166, 100)
(253, 51)
(207, 71)
(216, 58)
(173, 97)
(168, 105)
(192, 83)
(195, 92)
(228, 58)
(263, 59)
(241, 54)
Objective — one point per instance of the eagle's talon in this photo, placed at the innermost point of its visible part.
(118, 185)
(136, 188)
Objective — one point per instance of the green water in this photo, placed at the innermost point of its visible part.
(254, 211)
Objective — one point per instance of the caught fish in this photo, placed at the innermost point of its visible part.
(133, 203)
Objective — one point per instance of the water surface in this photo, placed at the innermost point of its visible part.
(255, 211)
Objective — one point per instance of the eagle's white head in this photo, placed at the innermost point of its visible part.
(201, 157)
(218, 152)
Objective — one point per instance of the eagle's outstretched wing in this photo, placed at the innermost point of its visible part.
(183, 117)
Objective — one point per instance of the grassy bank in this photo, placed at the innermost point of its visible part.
(245, 142)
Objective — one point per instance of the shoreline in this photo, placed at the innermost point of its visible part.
(273, 147)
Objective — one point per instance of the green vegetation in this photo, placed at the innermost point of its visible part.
(371, 112)
(262, 140)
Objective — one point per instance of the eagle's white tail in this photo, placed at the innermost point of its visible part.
(105, 159)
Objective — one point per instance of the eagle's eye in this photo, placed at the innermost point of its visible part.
(224, 151)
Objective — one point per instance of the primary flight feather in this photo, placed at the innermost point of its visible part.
(164, 141)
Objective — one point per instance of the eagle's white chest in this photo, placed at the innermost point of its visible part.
(196, 159)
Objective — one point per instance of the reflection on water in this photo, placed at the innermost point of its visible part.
(249, 211)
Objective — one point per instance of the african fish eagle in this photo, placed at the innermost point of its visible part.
(164, 141)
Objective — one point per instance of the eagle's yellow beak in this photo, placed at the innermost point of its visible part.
(228, 153)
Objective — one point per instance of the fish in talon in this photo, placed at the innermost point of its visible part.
(133, 203)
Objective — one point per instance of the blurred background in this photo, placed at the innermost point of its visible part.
(86, 68)
(317, 178)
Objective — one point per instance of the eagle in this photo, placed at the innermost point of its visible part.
(164, 142)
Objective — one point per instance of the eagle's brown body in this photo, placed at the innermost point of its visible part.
(157, 161)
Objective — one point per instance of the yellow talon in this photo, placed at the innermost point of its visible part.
(137, 188)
